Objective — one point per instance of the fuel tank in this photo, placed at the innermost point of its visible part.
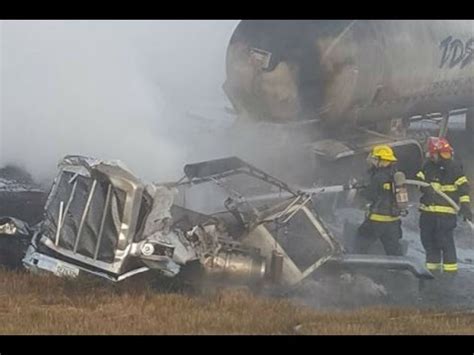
(349, 71)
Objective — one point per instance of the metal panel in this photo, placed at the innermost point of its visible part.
(102, 222)
(84, 215)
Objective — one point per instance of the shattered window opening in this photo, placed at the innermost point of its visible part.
(300, 240)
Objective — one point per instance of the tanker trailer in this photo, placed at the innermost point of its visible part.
(351, 84)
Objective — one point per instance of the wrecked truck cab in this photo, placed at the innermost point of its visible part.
(292, 239)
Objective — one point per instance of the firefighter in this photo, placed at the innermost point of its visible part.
(438, 218)
(383, 219)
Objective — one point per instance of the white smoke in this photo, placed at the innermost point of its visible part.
(108, 89)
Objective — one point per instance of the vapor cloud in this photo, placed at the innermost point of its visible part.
(109, 89)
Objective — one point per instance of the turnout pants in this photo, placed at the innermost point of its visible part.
(389, 233)
(437, 238)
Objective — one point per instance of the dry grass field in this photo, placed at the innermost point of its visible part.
(32, 304)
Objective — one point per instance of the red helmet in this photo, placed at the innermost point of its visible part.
(439, 145)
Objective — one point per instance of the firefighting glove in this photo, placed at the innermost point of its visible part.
(466, 212)
(354, 184)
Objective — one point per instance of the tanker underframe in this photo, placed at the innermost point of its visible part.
(337, 156)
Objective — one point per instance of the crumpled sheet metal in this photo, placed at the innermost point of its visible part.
(91, 162)
(160, 216)
(158, 224)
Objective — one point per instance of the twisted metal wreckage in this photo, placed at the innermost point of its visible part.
(102, 220)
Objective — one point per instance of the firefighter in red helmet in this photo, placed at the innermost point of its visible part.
(438, 218)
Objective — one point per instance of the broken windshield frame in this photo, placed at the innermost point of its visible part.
(310, 228)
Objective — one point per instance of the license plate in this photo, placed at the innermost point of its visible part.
(64, 270)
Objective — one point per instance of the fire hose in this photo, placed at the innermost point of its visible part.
(399, 178)
(440, 193)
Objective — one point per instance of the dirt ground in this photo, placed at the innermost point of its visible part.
(31, 304)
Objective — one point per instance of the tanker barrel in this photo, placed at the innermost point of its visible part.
(353, 72)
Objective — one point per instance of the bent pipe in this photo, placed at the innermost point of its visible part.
(383, 261)
(311, 191)
(440, 193)
(443, 195)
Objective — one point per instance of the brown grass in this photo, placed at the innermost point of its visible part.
(31, 304)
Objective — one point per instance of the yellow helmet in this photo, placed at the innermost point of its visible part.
(383, 152)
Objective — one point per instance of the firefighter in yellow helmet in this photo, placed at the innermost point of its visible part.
(383, 218)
